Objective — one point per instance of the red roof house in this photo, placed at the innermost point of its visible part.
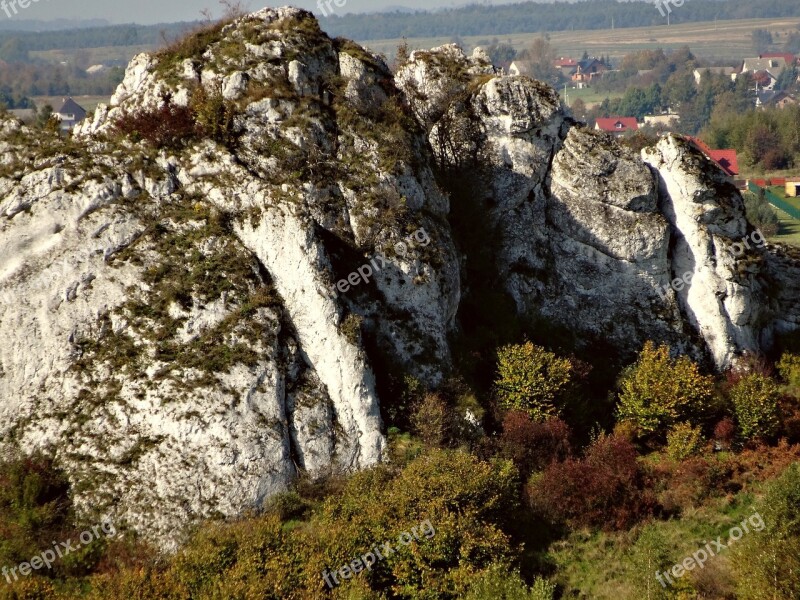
(565, 63)
(789, 58)
(726, 159)
(617, 125)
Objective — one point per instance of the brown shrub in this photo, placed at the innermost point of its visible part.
(431, 421)
(725, 433)
(606, 488)
(685, 484)
(533, 445)
(169, 126)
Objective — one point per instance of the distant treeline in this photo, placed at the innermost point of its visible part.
(94, 37)
(528, 17)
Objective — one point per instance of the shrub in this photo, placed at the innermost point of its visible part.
(725, 433)
(168, 126)
(533, 445)
(658, 391)
(432, 420)
(532, 379)
(755, 400)
(497, 583)
(684, 441)
(685, 485)
(605, 488)
(760, 214)
(214, 115)
(789, 369)
(35, 507)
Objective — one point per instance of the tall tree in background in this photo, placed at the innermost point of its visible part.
(541, 55)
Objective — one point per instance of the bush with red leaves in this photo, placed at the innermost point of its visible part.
(725, 433)
(606, 488)
(169, 126)
(533, 445)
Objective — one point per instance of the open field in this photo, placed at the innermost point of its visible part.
(723, 40)
(788, 229)
(91, 56)
(589, 95)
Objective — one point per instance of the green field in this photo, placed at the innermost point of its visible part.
(589, 95)
(723, 40)
(86, 57)
(788, 229)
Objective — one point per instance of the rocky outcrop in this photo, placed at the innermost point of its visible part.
(589, 236)
(187, 327)
(174, 331)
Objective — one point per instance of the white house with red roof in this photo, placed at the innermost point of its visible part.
(616, 125)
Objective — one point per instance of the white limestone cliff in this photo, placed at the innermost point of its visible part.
(172, 328)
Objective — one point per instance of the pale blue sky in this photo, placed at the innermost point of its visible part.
(161, 11)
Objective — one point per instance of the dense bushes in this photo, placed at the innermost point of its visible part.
(605, 488)
(469, 504)
(173, 126)
(169, 126)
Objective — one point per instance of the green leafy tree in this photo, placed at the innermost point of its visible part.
(789, 368)
(755, 401)
(659, 391)
(532, 379)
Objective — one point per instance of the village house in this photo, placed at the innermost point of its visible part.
(706, 71)
(669, 120)
(70, 114)
(726, 159)
(586, 71)
(773, 99)
(766, 71)
(617, 125)
(567, 66)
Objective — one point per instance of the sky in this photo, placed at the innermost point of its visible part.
(166, 11)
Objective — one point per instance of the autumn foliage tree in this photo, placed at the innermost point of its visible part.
(659, 391)
(532, 379)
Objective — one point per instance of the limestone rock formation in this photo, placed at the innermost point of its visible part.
(188, 325)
